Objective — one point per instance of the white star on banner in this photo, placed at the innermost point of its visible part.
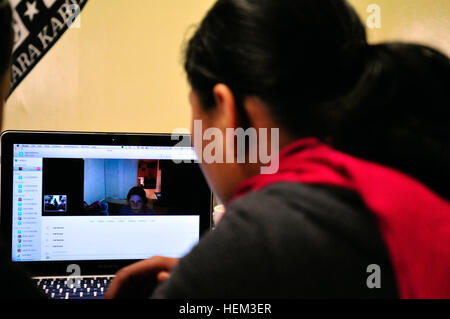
(31, 10)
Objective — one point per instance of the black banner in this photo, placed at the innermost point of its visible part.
(37, 25)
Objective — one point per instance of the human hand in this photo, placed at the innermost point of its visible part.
(139, 279)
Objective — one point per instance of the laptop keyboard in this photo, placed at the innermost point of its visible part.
(74, 287)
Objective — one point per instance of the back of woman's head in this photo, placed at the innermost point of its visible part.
(398, 113)
(309, 61)
(6, 36)
(285, 52)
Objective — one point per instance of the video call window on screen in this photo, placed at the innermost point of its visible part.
(119, 187)
(55, 203)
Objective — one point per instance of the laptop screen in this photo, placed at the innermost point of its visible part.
(95, 202)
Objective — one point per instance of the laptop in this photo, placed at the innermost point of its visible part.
(73, 210)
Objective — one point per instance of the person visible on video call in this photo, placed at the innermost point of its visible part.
(54, 203)
(362, 185)
(137, 203)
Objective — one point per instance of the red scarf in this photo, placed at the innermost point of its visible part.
(414, 221)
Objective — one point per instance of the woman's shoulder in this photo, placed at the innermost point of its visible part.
(298, 198)
(288, 240)
(288, 210)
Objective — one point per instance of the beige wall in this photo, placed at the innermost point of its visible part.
(422, 21)
(122, 71)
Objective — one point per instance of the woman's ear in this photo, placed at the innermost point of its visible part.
(226, 107)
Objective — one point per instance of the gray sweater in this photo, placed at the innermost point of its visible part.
(288, 240)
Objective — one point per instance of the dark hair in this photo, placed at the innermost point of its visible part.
(310, 62)
(137, 190)
(398, 114)
(6, 36)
